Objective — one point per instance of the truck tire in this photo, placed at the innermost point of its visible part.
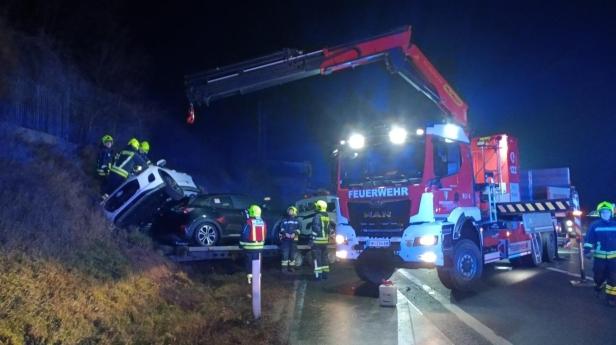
(467, 266)
(550, 246)
(374, 267)
(444, 275)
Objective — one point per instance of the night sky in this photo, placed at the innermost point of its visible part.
(539, 70)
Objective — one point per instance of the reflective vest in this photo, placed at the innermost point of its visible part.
(253, 235)
(320, 228)
(125, 162)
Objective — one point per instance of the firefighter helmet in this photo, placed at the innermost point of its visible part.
(292, 210)
(134, 143)
(605, 205)
(144, 147)
(320, 205)
(107, 139)
(254, 211)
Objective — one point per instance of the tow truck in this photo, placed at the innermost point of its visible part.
(423, 197)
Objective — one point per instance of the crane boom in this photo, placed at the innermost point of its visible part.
(395, 49)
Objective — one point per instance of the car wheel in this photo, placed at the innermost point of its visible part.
(173, 190)
(206, 234)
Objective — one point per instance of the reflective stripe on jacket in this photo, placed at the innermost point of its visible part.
(601, 237)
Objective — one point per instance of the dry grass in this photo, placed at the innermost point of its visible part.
(66, 278)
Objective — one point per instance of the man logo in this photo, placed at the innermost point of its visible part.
(377, 214)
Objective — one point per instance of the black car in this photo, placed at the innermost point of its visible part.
(209, 219)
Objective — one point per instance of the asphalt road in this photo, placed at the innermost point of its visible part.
(511, 306)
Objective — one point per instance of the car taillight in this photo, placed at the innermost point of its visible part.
(187, 210)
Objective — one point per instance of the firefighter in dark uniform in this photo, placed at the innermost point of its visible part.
(144, 149)
(601, 242)
(253, 238)
(289, 235)
(321, 231)
(127, 163)
(105, 157)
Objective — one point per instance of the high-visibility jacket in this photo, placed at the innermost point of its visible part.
(321, 228)
(290, 226)
(125, 162)
(253, 234)
(104, 161)
(601, 237)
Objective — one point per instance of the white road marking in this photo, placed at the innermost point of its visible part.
(577, 275)
(469, 320)
(406, 333)
(299, 309)
(414, 328)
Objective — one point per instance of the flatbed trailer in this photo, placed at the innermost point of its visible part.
(192, 253)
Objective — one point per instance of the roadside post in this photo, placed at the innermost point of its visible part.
(583, 282)
(256, 287)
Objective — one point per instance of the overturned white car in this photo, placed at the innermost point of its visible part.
(137, 200)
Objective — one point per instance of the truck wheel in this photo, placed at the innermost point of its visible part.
(550, 247)
(374, 267)
(299, 259)
(444, 275)
(467, 266)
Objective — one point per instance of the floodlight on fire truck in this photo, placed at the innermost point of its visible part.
(397, 135)
(357, 141)
(420, 131)
(451, 131)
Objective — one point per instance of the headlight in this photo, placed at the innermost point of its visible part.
(397, 135)
(357, 141)
(428, 257)
(342, 254)
(340, 239)
(427, 240)
(569, 223)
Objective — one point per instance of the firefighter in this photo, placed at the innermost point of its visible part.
(601, 240)
(105, 156)
(321, 231)
(289, 235)
(253, 238)
(144, 149)
(128, 162)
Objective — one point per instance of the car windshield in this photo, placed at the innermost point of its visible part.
(383, 163)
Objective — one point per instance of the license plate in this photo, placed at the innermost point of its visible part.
(378, 243)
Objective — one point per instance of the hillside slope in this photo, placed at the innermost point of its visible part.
(67, 278)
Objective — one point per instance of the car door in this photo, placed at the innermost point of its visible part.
(229, 217)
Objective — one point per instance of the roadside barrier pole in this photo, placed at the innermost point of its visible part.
(256, 287)
(583, 282)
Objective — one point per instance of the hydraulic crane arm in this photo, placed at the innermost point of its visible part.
(400, 55)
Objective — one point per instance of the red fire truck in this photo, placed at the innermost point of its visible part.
(412, 197)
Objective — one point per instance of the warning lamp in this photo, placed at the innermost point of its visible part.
(190, 117)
